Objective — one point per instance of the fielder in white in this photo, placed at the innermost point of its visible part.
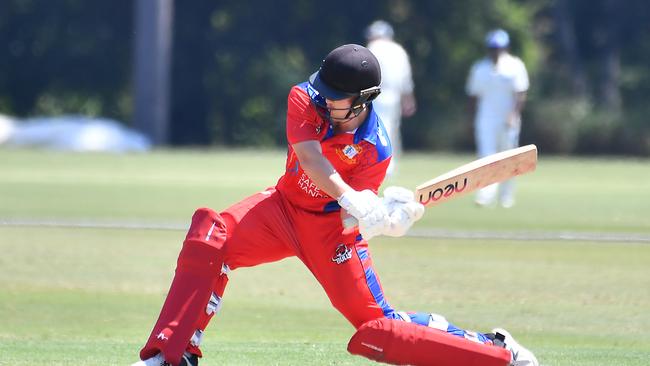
(497, 86)
(396, 98)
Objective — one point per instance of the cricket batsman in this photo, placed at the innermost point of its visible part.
(337, 158)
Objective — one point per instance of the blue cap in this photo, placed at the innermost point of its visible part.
(497, 38)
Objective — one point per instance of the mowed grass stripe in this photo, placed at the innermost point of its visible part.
(419, 233)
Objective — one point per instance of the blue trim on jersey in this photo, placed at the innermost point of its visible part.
(330, 132)
(373, 285)
(368, 129)
(331, 206)
(371, 130)
(304, 85)
(385, 146)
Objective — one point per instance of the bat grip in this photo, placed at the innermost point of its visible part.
(350, 222)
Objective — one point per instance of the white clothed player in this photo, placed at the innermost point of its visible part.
(497, 86)
(396, 98)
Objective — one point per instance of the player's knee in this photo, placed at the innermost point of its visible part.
(204, 242)
(357, 313)
(207, 226)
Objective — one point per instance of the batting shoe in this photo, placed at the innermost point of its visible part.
(520, 355)
(188, 359)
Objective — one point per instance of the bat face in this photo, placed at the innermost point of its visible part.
(435, 193)
(478, 174)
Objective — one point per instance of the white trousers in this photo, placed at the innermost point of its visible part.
(492, 137)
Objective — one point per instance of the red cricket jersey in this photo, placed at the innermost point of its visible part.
(361, 157)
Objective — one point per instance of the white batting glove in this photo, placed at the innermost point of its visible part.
(403, 210)
(368, 209)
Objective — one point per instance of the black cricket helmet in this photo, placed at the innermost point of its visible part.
(347, 71)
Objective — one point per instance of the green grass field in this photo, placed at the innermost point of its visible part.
(89, 296)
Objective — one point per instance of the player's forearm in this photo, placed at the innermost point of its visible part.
(326, 178)
(319, 169)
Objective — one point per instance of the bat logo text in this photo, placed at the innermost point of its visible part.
(440, 192)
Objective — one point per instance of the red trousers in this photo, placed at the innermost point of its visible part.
(263, 228)
(267, 228)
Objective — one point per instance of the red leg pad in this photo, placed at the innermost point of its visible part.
(401, 343)
(198, 272)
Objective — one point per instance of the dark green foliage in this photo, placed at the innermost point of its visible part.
(65, 56)
(234, 62)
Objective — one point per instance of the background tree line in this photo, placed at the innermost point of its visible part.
(234, 62)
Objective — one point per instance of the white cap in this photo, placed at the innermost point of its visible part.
(379, 29)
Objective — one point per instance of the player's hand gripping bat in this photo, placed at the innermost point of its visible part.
(472, 176)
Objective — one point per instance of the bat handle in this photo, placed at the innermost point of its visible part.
(350, 222)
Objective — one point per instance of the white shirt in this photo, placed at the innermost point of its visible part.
(396, 78)
(495, 87)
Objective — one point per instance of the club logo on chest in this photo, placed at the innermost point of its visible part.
(348, 153)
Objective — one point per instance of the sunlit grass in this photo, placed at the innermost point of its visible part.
(90, 296)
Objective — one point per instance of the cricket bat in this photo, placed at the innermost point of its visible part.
(472, 176)
(478, 174)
